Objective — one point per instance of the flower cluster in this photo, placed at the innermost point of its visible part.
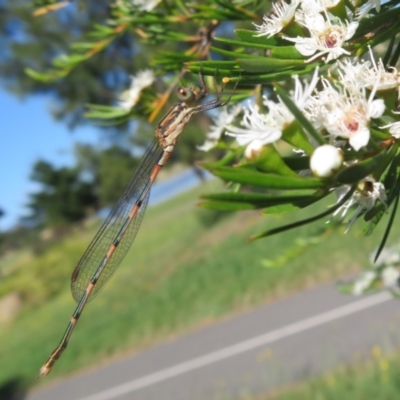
(384, 273)
(368, 192)
(342, 109)
(327, 34)
(346, 105)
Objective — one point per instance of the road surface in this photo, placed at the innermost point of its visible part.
(286, 341)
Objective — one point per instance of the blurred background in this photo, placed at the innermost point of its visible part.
(191, 285)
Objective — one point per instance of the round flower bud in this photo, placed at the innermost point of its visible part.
(253, 150)
(326, 160)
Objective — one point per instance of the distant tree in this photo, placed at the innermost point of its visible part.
(109, 170)
(64, 197)
(28, 41)
(34, 42)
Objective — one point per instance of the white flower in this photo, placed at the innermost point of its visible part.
(318, 5)
(256, 126)
(352, 75)
(275, 21)
(394, 128)
(379, 77)
(363, 283)
(365, 196)
(325, 37)
(221, 119)
(141, 80)
(346, 114)
(390, 277)
(302, 95)
(267, 128)
(367, 7)
(145, 5)
(370, 74)
(326, 160)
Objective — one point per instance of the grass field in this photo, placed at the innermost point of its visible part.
(188, 267)
(377, 379)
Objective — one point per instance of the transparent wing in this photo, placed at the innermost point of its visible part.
(136, 194)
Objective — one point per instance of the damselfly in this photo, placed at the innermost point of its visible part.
(118, 231)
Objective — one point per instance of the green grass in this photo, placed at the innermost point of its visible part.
(378, 379)
(181, 272)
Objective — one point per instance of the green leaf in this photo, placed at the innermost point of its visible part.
(281, 209)
(392, 173)
(297, 163)
(269, 160)
(216, 64)
(105, 112)
(250, 78)
(359, 171)
(50, 76)
(241, 43)
(270, 181)
(294, 135)
(247, 201)
(250, 37)
(224, 161)
(391, 220)
(231, 54)
(286, 52)
(261, 199)
(267, 64)
(306, 221)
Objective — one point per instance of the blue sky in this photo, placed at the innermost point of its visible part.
(29, 133)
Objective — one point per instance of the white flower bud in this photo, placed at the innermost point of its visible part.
(326, 160)
(253, 149)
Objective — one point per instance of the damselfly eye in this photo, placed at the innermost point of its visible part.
(185, 94)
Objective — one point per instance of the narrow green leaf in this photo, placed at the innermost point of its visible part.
(300, 203)
(39, 76)
(216, 64)
(46, 77)
(106, 113)
(269, 160)
(243, 43)
(250, 37)
(359, 171)
(261, 199)
(297, 163)
(231, 54)
(271, 181)
(287, 53)
(281, 209)
(247, 201)
(267, 64)
(224, 161)
(294, 135)
(306, 221)
(251, 78)
(391, 175)
(206, 70)
(390, 223)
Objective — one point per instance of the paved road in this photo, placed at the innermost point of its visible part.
(286, 341)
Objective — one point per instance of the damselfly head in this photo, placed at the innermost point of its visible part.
(187, 93)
